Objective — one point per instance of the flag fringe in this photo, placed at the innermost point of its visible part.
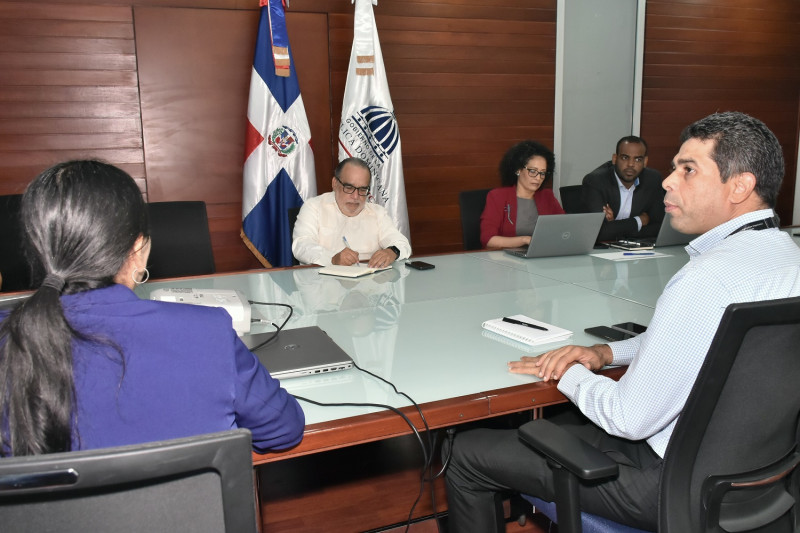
(252, 247)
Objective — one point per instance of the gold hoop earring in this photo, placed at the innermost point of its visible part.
(136, 273)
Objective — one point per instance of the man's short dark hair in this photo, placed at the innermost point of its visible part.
(633, 139)
(742, 144)
(352, 161)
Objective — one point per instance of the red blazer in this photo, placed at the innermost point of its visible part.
(500, 214)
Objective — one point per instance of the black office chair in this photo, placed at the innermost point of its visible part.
(13, 265)
(730, 464)
(196, 484)
(292, 212)
(471, 204)
(181, 242)
(572, 199)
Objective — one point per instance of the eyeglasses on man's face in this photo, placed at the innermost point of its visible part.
(348, 189)
(533, 172)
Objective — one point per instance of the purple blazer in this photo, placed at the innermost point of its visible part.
(183, 371)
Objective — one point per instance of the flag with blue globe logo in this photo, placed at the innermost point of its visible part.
(279, 164)
(368, 129)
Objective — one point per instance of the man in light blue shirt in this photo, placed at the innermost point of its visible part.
(724, 184)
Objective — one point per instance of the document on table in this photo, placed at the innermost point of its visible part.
(628, 256)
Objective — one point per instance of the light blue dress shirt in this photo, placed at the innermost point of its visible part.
(665, 360)
(626, 200)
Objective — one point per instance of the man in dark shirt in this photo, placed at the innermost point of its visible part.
(628, 192)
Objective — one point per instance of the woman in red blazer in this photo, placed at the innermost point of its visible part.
(524, 169)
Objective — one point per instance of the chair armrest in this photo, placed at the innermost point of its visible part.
(567, 450)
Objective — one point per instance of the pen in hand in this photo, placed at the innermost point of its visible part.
(348, 256)
(521, 323)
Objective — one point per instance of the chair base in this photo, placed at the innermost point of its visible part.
(591, 523)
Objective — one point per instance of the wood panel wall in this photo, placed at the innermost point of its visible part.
(68, 89)
(703, 56)
(468, 78)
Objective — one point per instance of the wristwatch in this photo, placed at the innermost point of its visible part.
(395, 249)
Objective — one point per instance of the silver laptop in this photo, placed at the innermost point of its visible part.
(669, 236)
(299, 352)
(554, 235)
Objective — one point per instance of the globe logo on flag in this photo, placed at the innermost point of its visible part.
(383, 126)
(283, 140)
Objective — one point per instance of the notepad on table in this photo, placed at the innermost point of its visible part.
(526, 334)
(351, 271)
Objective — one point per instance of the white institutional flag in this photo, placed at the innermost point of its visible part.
(369, 129)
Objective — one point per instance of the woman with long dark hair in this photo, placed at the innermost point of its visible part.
(84, 363)
(511, 210)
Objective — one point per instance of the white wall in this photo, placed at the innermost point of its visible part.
(599, 56)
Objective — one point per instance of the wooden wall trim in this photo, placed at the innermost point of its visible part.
(468, 79)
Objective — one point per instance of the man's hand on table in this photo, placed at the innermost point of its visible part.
(553, 364)
(346, 257)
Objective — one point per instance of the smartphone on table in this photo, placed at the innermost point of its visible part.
(617, 332)
(419, 265)
(609, 334)
(633, 327)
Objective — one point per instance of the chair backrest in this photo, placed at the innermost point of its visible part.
(13, 265)
(471, 204)
(196, 484)
(181, 242)
(572, 199)
(741, 416)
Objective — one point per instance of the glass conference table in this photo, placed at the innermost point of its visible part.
(421, 330)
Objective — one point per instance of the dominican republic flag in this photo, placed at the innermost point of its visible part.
(279, 164)
(369, 129)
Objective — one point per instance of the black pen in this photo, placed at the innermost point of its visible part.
(521, 323)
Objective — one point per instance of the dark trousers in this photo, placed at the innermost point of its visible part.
(488, 463)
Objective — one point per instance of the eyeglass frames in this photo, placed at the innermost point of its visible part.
(348, 189)
(533, 172)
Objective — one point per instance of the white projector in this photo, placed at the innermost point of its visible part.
(232, 301)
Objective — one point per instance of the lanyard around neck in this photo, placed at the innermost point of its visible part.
(757, 225)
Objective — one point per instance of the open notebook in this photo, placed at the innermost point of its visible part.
(352, 271)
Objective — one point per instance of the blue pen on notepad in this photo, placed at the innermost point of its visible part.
(638, 253)
(346, 244)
